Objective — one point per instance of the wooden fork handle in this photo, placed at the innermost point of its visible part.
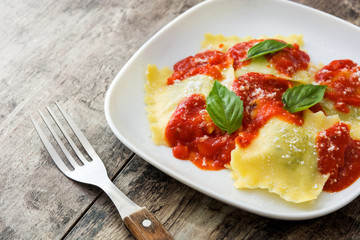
(144, 226)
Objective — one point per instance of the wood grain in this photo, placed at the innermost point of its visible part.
(67, 51)
(70, 51)
(143, 225)
(188, 214)
(347, 10)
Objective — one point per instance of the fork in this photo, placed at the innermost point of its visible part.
(140, 222)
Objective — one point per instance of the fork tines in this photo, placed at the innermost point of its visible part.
(94, 172)
(55, 156)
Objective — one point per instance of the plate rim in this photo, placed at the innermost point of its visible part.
(175, 175)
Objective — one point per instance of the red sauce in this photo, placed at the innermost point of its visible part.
(289, 60)
(209, 63)
(342, 79)
(339, 156)
(212, 62)
(193, 135)
(317, 108)
(261, 95)
(239, 52)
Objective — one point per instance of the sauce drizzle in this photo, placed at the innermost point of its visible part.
(342, 79)
(193, 135)
(339, 156)
(261, 95)
(289, 60)
(239, 52)
(209, 63)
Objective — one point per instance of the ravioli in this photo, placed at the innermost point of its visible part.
(273, 149)
(162, 99)
(223, 43)
(260, 65)
(283, 159)
(352, 117)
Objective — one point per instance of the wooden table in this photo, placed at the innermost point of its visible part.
(70, 51)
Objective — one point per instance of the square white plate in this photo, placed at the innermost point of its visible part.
(326, 38)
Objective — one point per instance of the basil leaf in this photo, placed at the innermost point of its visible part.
(265, 47)
(225, 108)
(302, 97)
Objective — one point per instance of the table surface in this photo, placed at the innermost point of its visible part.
(70, 51)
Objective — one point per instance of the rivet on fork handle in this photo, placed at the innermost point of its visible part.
(143, 225)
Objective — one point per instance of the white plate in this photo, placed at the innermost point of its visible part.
(326, 38)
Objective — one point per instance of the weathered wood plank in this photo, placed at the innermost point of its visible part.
(67, 51)
(347, 10)
(195, 216)
(162, 195)
(191, 215)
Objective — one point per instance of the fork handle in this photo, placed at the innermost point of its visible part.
(140, 222)
(144, 226)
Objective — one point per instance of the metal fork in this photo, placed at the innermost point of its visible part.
(140, 222)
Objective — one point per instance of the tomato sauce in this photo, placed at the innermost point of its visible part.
(289, 60)
(239, 52)
(261, 95)
(209, 63)
(317, 108)
(339, 156)
(193, 135)
(342, 79)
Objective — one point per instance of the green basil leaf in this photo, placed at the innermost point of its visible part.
(265, 47)
(302, 97)
(225, 108)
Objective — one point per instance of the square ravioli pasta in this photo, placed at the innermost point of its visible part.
(295, 154)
